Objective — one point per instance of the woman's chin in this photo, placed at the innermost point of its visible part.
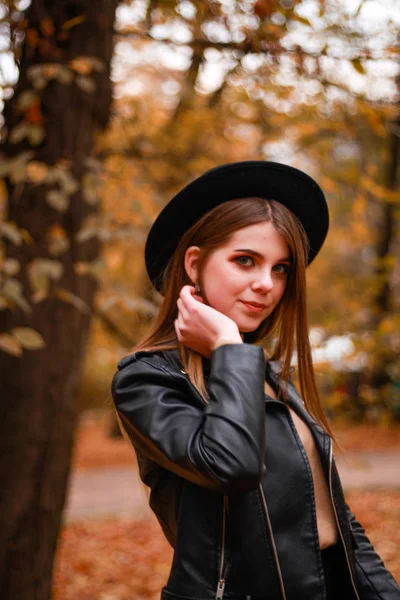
(248, 327)
(243, 331)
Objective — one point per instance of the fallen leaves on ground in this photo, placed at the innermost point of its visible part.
(94, 448)
(379, 514)
(367, 436)
(130, 560)
(111, 560)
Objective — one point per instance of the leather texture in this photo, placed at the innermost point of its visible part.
(230, 481)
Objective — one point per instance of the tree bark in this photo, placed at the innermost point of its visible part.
(388, 230)
(386, 236)
(38, 389)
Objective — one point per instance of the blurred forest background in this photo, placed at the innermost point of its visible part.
(108, 109)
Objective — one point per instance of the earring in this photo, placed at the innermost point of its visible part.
(197, 289)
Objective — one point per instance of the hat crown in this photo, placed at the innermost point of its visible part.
(264, 179)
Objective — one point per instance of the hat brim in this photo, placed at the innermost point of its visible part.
(274, 181)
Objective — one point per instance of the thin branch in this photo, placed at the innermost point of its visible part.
(116, 333)
(253, 45)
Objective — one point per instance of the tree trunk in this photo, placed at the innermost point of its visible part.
(388, 230)
(387, 234)
(38, 389)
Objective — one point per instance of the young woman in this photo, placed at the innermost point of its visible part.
(240, 466)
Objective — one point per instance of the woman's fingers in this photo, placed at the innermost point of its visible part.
(178, 331)
(189, 298)
(182, 309)
(186, 294)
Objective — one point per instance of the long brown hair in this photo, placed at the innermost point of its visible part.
(287, 325)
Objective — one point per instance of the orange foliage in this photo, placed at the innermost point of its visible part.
(378, 512)
(33, 113)
(111, 560)
(94, 448)
(126, 560)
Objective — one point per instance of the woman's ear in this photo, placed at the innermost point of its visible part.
(192, 262)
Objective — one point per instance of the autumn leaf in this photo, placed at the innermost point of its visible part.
(58, 200)
(302, 20)
(32, 37)
(26, 99)
(37, 171)
(47, 27)
(28, 338)
(10, 231)
(36, 135)
(86, 84)
(74, 22)
(357, 64)
(33, 113)
(11, 266)
(65, 76)
(70, 298)
(57, 240)
(18, 133)
(10, 344)
(264, 8)
(41, 270)
(81, 65)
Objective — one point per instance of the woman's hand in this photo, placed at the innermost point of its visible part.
(201, 327)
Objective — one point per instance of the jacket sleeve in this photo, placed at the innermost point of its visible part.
(219, 445)
(374, 580)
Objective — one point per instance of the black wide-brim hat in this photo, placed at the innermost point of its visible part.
(262, 179)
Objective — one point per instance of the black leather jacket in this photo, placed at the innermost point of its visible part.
(231, 484)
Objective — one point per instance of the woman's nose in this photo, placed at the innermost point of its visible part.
(263, 282)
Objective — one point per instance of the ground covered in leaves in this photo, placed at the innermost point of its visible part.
(125, 560)
(130, 560)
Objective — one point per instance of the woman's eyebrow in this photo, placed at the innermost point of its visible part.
(258, 255)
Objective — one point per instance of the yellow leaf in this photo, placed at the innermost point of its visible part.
(28, 338)
(36, 171)
(71, 298)
(81, 65)
(47, 26)
(36, 135)
(303, 20)
(39, 296)
(87, 84)
(11, 232)
(12, 290)
(57, 200)
(74, 22)
(82, 268)
(387, 325)
(359, 67)
(26, 236)
(40, 270)
(11, 266)
(57, 240)
(10, 344)
(26, 99)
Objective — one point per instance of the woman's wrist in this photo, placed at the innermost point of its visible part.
(223, 340)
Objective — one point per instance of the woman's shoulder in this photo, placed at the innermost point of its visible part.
(150, 374)
(143, 368)
(162, 360)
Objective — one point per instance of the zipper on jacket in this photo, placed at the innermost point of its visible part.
(273, 542)
(222, 569)
(337, 520)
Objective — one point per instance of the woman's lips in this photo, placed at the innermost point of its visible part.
(254, 306)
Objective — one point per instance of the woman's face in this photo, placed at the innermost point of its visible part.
(246, 277)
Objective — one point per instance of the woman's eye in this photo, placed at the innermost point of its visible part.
(244, 261)
(282, 268)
